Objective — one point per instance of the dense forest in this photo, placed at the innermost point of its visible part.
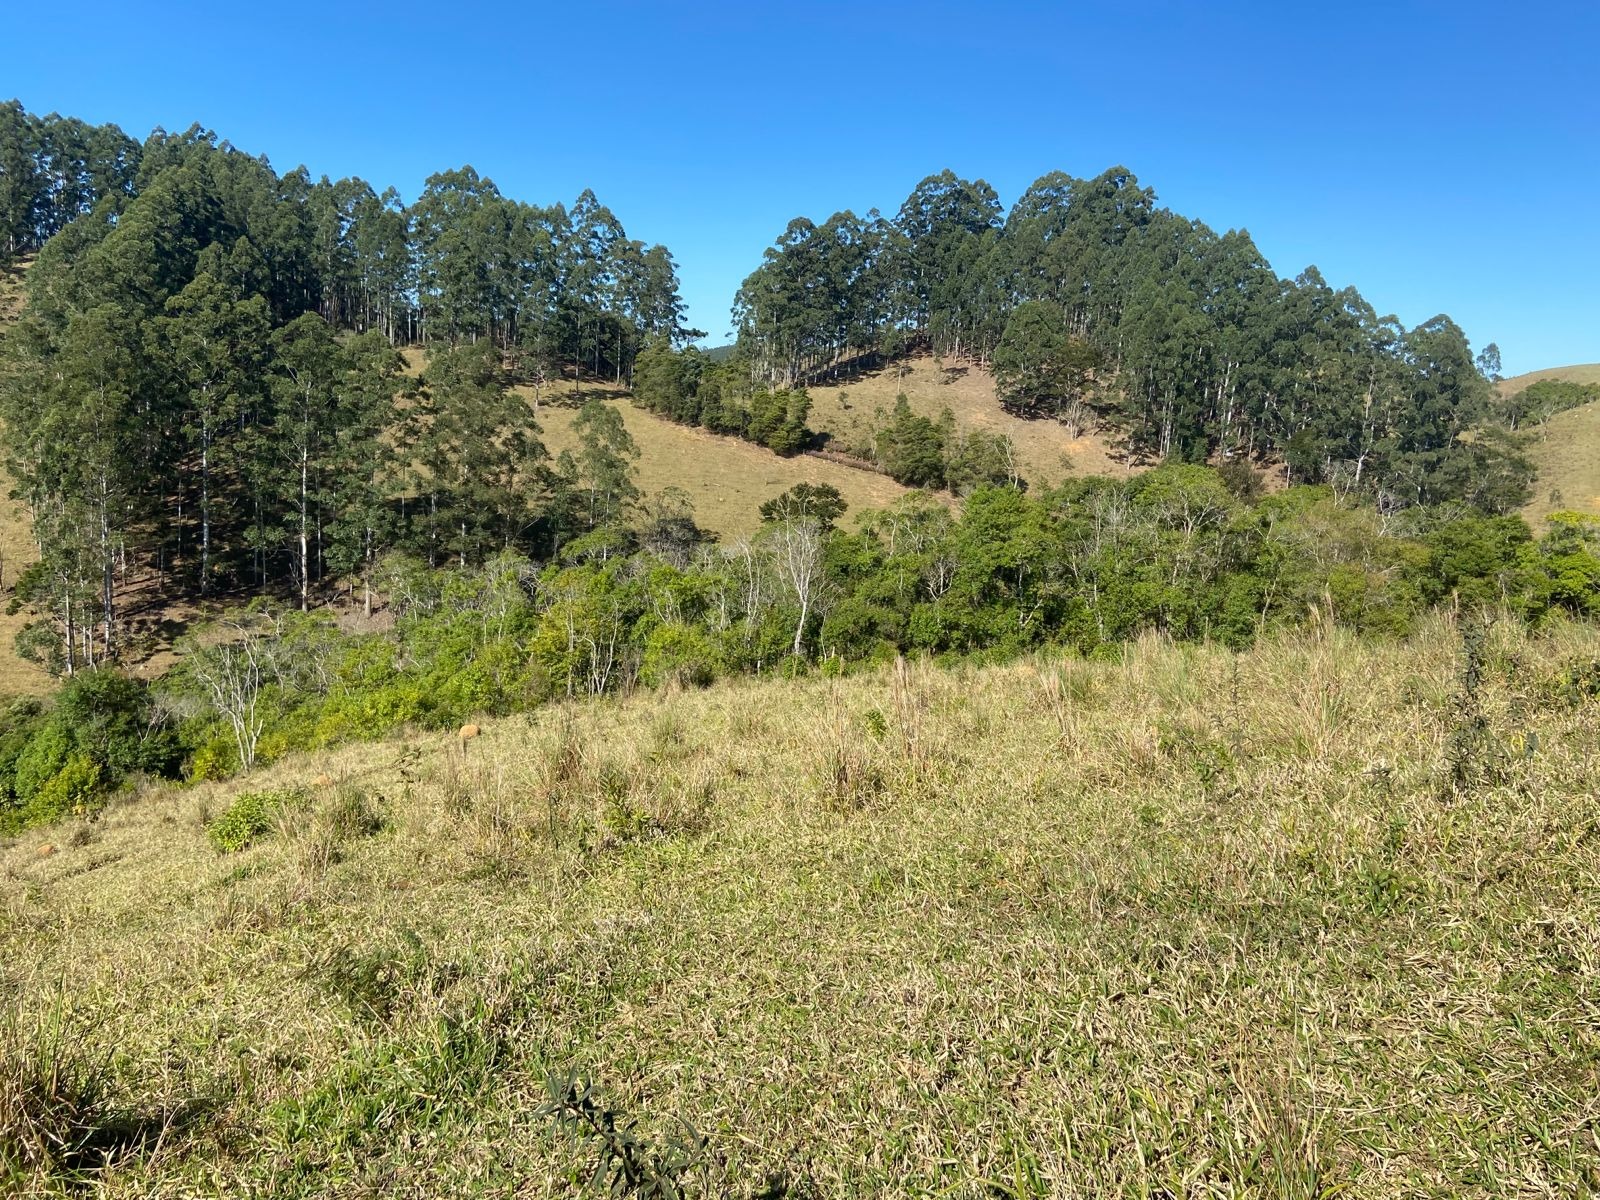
(1097, 307)
(208, 394)
(204, 383)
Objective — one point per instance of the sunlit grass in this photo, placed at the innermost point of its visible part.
(850, 412)
(1183, 923)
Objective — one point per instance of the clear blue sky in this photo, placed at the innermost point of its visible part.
(1440, 156)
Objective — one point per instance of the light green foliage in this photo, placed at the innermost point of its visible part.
(62, 761)
(71, 791)
(250, 817)
(1092, 566)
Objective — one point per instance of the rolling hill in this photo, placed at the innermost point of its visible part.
(1578, 373)
(726, 479)
(1566, 451)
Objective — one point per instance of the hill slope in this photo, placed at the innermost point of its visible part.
(849, 413)
(1566, 452)
(726, 479)
(1187, 924)
(17, 549)
(1578, 373)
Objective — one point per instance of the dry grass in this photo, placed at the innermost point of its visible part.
(850, 412)
(17, 553)
(12, 280)
(726, 478)
(1580, 373)
(1566, 453)
(17, 549)
(1184, 924)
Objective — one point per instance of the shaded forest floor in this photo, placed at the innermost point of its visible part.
(1313, 919)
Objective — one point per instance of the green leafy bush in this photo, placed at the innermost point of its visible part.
(250, 817)
(73, 790)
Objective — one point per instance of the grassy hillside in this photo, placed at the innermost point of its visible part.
(1566, 452)
(726, 478)
(1567, 455)
(1181, 924)
(1581, 373)
(17, 549)
(849, 413)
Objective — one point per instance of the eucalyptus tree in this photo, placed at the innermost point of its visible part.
(213, 343)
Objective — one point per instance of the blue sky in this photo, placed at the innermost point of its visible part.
(1440, 156)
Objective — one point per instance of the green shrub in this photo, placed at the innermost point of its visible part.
(41, 760)
(215, 758)
(678, 654)
(74, 789)
(250, 817)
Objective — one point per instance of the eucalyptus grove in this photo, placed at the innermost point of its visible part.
(204, 388)
(1096, 307)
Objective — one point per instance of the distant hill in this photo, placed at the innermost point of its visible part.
(1580, 373)
(1566, 450)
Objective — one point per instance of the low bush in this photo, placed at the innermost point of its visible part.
(250, 817)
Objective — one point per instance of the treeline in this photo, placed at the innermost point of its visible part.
(203, 385)
(1095, 305)
(1546, 398)
(649, 600)
(53, 170)
(693, 389)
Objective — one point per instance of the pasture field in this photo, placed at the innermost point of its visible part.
(850, 413)
(1317, 919)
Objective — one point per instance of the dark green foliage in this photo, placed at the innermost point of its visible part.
(53, 170)
(1093, 305)
(627, 1163)
(911, 448)
(814, 501)
(778, 420)
(1039, 368)
(690, 389)
(202, 385)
